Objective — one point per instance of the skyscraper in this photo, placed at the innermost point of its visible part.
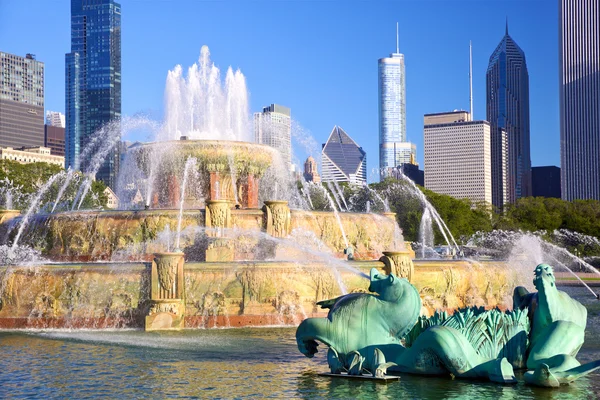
(21, 101)
(343, 160)
(273, 127)
(458, 159)
(393, 147)
(579, 66)
(54, 118)
(507, 109)
(93, 80)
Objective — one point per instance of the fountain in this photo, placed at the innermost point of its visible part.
(219, 239)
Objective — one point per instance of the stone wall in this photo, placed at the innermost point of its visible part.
(135, 235)
(117, 295)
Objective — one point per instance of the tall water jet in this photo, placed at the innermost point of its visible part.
(436, 216)
(33, 207)
(201, 106)
(189, 164)
(426, 232)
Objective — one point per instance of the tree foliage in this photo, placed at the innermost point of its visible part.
(19, 184)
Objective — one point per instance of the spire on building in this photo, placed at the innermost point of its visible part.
(397, 40)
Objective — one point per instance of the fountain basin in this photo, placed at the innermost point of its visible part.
(136, 235)
(222, 294)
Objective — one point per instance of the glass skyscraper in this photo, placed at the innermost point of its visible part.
(393, 148)
(273, 127)
(507, 110)
(93, 80)
(579, 63)
(343, 159)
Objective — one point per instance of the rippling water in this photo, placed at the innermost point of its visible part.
(233, 363)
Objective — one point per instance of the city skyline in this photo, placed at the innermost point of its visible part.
(350, 96)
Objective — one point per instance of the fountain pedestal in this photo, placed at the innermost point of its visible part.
(277, 218)
(399, 263)
(167, 295)
(218, 219)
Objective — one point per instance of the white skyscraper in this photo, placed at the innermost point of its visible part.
(579, 87)
(273, 127)
(55, 118)
(393, 146)
(458, 158)
(343, 159)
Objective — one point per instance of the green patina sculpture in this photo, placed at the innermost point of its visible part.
(542, 333)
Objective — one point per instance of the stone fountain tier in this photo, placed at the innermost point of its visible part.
(220, 294)
(256, 234)
(224, 168)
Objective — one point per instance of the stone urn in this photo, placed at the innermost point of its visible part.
(218, 217)
(7, 215)
(167, 295)
(278, 218)
(399, 263)
(389, 214)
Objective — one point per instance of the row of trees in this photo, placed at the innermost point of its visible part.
(19, 184)
(462, 216)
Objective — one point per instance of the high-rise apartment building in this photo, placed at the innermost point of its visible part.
(579, 93)
(393, 146)
(458, 158)
(273, 127)
(54, 118)
(93, 80)
(21, 101)
(507, 110)
(343, 160)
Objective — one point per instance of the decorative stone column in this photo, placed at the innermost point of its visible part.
(218, 218)
(216, 181)
(399, 263)
(174, 191)
(277, 218)
(252, 191)
(167, 296)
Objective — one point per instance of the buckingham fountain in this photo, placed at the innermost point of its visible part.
(213, 232)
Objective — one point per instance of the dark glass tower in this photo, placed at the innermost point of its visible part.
(93, 81)
(507, 110)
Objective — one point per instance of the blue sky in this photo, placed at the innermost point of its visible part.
(317, 57)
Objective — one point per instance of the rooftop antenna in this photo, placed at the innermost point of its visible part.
(397, 40)
(471, 78)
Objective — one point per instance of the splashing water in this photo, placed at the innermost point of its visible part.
(189, 164)
(426, 232)
(426, 204)
(33, 207)
(200, 106)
